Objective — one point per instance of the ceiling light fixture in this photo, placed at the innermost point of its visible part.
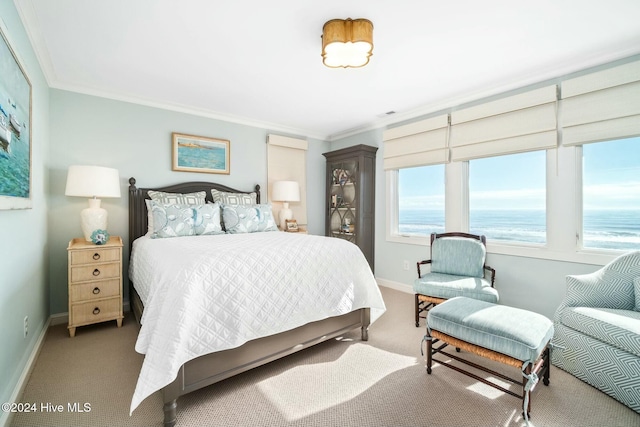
(347, 43)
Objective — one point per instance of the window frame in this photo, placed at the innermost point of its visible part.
(564, 218)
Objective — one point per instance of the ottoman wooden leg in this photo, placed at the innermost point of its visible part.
(429, 360)
(547, 363)
(527, 371)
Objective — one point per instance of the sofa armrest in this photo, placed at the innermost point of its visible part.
(600, 290)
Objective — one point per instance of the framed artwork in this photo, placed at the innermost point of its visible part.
(292, 225)
(200, 154)
(15, 130)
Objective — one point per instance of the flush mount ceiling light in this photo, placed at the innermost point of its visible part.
(347, 43)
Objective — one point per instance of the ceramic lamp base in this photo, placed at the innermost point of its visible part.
(285, 214)
(93, 218)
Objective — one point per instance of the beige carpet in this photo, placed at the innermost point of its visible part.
(343, 382)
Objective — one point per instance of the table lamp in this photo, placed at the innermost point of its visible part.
(93, 182)
(285, 192)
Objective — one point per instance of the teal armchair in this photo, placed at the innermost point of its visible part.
(456, 268)
(597, 329)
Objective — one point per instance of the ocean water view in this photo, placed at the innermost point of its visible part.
(201, 157)
(603, 229)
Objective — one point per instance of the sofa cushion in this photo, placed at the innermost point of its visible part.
(460, 256)
(636, 286)
(619, 328)
(518, 333)
(448, 286)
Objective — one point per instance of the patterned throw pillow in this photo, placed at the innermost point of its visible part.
(171, 199)
(248, 218)
(636, 287)
(233, 198)
(171, 220)
(178, 198)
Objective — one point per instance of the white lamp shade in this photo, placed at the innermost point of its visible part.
(285, 191)
(92, 181)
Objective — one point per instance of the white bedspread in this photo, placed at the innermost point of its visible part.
(209, 293)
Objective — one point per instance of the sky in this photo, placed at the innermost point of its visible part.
(611, 178)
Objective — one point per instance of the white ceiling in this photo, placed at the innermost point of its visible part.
(258, 62)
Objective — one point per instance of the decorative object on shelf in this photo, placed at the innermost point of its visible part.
(93, 182)
(200, 154)
(100, 237)
(291, 225)
(15, 131)
(347, 43)
(285, 192)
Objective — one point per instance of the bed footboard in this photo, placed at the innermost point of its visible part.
(215, 367)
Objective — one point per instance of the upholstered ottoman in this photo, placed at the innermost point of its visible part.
(509, 335)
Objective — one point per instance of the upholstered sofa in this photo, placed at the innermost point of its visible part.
(597, 329)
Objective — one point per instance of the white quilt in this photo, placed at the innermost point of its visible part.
(210, 293)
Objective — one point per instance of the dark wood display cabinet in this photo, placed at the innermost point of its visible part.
(350, 214)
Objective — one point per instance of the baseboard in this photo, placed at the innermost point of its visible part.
(54, 319)
(402, 287)
(6, 417)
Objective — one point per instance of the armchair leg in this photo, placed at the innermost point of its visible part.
(417, 311)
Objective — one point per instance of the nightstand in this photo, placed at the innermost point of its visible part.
(95, 282)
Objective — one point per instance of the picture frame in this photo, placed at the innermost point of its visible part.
(15, 129)
(193, 153)
(291, 225)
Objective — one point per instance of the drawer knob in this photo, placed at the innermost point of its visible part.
(96, 310)
(96, 256)
(96, 290)
(96, 272)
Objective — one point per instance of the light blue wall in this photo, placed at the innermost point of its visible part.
(24, 248)
(136, 140)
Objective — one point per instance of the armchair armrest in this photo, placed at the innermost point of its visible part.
(492, 272)
(423, 262)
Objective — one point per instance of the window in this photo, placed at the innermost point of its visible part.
(421, 200)
(507, 197)
(611, 195)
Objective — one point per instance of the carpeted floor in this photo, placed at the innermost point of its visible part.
(343, 382)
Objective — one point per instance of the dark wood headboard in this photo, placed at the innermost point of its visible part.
(138, 208)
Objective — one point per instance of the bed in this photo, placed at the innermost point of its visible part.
(202, 319)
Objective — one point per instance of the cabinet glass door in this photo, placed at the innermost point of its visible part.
(343, 200)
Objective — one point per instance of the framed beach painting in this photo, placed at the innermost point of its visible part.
(200, 154)
(15, 130)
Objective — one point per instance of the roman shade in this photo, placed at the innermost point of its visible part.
(601, 106)
(515, 124)
(287, 161)
(417, 144)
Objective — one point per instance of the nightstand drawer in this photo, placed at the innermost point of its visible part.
(94, 290)
(95, 311)
(95, 256)
(95, 272)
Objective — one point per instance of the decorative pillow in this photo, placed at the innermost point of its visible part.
(170, 220)
(234, 198)
(248, 218)
(171, 199)
(636, 287)
(178, 198)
